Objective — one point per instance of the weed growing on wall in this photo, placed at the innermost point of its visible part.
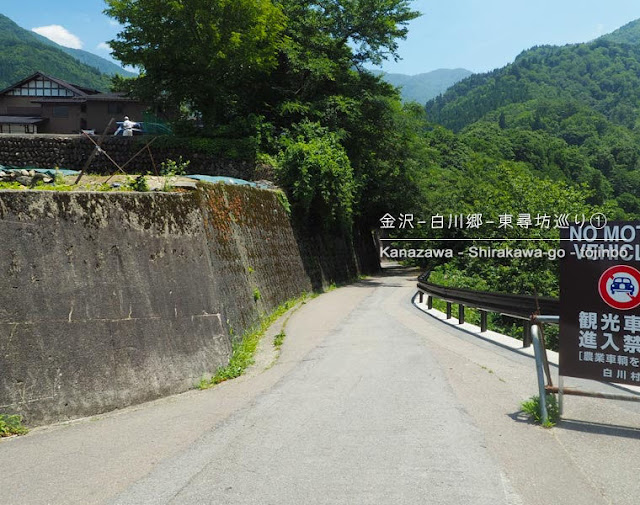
(138, 184)
(244, 350)
(11, 425)
(170, 169)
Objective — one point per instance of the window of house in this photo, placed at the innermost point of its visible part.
(61, 111)
(41, 87)
(115, 108)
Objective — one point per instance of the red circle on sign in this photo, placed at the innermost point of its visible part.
(619, 287)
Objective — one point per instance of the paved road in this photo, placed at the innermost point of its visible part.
(371, 402)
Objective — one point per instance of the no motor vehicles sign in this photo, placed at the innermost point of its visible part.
(600, 303)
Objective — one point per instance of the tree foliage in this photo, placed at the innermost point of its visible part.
(316, 169)
(198, 52)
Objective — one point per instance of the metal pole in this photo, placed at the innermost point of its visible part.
(560, 393)
(526, 337)
(460, 314)
(483, 321)
(420, 296)
(429, 302)
(537, 347)
(570, 391)
(448, 310)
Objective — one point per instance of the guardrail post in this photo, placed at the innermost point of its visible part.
(448, 310)
(420, 296)
(483, 321)
(526, 335)
(460, 314)
(429, 302)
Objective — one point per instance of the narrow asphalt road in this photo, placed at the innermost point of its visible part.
(370, 402)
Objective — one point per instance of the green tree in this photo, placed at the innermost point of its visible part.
(315, 169)
(198, 52)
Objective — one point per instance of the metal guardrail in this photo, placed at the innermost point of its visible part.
(522, 307)
(534, 311)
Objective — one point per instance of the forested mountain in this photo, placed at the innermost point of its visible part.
(569, 112)
(93, 60)
(423, 87)
(557, 128)
(23, 54)
(628, 34)
(603, 75)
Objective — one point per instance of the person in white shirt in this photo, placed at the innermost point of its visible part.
(127, 127)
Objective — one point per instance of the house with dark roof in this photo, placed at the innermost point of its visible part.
(44, 104)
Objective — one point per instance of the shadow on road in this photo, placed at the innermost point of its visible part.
(389, 270)
(612, 430)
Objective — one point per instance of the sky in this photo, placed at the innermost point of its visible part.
(478, 35)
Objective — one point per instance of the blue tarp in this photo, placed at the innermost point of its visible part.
(214, 179)
(48, 171)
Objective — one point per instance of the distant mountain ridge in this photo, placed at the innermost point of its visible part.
(24, 52)
(423, 87)
(603, 74)
(93, 60)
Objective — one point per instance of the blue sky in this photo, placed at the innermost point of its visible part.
(475, 34)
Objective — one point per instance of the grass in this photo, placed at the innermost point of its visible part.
(243, 350)
(533, 409)
(11, 425)
(279, 339)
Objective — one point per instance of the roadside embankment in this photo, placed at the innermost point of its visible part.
(112, 299)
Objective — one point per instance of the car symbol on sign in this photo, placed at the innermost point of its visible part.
(622, 285)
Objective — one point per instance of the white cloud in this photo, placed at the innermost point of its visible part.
(60, 35)
(103, 46)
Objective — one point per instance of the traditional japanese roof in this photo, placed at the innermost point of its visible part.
(72, 93)
(22, 120)
(74, 88)
(69, 100)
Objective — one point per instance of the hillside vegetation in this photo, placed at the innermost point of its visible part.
(23, 53)
(556, 131)
(93, 60)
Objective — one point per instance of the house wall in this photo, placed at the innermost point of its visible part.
(18, 106)
(98, 114)
(70, 124)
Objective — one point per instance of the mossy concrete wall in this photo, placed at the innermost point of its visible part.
(111, 299)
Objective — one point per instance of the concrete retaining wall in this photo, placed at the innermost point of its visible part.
(111, 299)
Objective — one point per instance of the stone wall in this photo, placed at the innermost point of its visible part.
(72, 151)
(112, 299)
